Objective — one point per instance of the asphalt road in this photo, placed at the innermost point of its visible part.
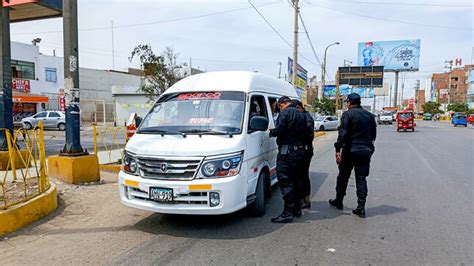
(419, 211)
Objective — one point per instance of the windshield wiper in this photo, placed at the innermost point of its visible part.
(207, 131)
(153, 130)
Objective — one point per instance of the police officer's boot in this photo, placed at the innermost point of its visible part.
(297, 213)
(286, 216)
(337, 202)
(306, 203)
(360, 210)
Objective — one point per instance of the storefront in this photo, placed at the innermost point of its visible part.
(27, 104)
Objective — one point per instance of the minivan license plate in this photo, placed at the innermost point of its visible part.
(161, 194)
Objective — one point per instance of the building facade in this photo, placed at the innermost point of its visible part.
(38, 81)
(457, 93)
(470, 89)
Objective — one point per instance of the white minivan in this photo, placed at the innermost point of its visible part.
(204, 147)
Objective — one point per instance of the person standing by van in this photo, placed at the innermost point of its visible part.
(305, 179)
(290, 134)
(357, 134)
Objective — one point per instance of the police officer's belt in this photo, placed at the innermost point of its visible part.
(294, 147)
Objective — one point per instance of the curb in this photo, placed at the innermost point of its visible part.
(319, 134)
(112, 168)
(27, 212)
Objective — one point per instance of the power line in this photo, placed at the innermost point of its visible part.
(403, 3)
(392, 20)
(309, 39)
(277, 32)
(153, 23)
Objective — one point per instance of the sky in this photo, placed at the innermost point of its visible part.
(230, 35)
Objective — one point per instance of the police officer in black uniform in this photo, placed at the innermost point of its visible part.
(291, 134)
(357, 134)
(305, 180)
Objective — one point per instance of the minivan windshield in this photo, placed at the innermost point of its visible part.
(196, 113)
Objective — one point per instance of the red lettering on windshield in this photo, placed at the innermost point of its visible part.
(199, 96)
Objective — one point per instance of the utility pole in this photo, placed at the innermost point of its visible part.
(337, 93)
(6, 102)
(113, 44)
(449, 66)
(294, 78)
(403, 87)
(395, 93)
(71, 80)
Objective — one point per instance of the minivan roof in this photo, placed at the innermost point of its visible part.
(244, 81)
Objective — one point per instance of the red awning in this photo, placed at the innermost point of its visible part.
(22, 97)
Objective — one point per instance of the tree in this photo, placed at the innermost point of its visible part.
(432, 108)
(458, 107)
(325, 106)
(160, 71)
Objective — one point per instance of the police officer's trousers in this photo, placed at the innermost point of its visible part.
(305, 179)
(288, 173)
(360, 162)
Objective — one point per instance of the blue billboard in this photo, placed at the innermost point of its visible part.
(344, 90)
(401, 55)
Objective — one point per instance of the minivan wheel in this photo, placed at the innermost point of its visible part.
(257, 208)
(62, 127)
(321, 128)
(28, 125)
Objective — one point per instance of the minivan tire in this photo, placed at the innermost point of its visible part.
(62, 126)
(28, 126)
(257, 208)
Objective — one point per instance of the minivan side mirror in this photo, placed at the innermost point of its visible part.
(138, 121)
(258, 123)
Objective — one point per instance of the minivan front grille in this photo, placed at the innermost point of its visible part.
(169, 169)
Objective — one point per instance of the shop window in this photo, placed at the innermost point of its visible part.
(51, 75)
(23, 70)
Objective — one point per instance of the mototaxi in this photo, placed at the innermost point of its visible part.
(406, 120)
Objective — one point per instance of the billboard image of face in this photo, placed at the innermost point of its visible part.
(393, 55)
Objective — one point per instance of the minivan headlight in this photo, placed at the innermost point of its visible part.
(222, 167)
(130, 165)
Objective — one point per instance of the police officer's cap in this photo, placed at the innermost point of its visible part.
(353, 98)
(284, 99)
(297, 103)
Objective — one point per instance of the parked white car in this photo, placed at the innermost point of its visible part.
(322, 123)
(51, 119)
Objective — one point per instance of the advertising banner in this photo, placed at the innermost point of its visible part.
(62, 101)
(403, 55)
(344, 90)
(21, 85)
(302, 74)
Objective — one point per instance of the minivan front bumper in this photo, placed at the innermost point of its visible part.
(189, 197)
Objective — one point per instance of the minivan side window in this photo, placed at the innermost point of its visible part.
(258, 107)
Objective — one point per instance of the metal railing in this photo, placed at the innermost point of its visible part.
(25, 175)
(109, 143)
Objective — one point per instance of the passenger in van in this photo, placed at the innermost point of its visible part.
(305, 179)
(290, 134)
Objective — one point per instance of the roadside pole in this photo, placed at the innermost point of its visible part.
(6, 102)
(294, 78)
(71, 80)
(337, 93)
(395, 90)
(73, 165)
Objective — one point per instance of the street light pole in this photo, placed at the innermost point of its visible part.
(6, 100)
(323, 70)
(71, 80)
